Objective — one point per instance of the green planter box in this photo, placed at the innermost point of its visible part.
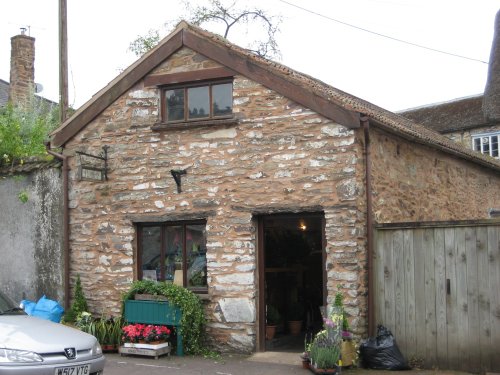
(155, 312)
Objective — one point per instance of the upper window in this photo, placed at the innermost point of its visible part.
(174, 252)
(198, 102)
(486, 144)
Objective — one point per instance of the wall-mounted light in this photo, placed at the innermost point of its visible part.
(302, 225)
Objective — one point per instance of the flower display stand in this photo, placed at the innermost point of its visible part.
(148, 350)
(155, 312)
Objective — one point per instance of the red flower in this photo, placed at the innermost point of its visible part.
(136, 332)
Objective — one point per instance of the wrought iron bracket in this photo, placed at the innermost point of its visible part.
(176, 174)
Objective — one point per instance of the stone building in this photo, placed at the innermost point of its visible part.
(251, 184)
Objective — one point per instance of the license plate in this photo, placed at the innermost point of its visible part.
(73, 370)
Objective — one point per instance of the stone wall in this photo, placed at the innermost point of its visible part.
(414, 183)
(278, 157)
(31, 235)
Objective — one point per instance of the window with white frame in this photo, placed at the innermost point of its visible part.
(486, 144)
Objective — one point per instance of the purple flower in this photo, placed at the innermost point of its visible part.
(329, 323)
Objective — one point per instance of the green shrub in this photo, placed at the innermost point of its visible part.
(79, 303)
(23, 132)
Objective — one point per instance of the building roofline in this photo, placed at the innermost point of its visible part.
(332, 103)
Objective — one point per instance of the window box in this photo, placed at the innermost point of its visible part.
(155, 312)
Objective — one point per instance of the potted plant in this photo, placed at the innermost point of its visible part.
(306, 354)
(325, 349)
(109, 332)
(348, 347)
(295, 317)
(273, 318)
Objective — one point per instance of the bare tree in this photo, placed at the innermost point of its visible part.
(245, 21)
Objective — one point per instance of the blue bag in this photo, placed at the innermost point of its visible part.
(28, 306)
(48, 309)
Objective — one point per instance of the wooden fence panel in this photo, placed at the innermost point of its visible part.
(472, 303)
(494, 275)
(483, 288)
(389, 283)
(378, 276)
(451, 297)
(399, 285)
(430, 297)
(410, 341)
(440, 278)
(419, 249)
(462, 319)
(438, 290)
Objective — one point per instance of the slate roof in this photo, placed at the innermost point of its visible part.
(456, 115)
(347, 108)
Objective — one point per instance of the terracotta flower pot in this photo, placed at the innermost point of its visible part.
(294, 327)
(270, 332)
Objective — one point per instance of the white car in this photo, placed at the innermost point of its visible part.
(29, 345)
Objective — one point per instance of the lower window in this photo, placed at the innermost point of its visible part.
(174, 252)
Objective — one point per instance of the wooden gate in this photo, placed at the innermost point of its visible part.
(437, 288)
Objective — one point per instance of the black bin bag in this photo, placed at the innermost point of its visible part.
(382, 352)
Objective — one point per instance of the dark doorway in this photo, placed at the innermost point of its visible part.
(291, 274)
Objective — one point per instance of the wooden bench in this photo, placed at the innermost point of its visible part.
(156, 312)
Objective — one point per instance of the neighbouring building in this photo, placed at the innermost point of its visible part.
(22, 87)
(30, 233)
(473, 122)
(253, 185)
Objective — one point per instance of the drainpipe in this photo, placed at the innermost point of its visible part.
(369, 226)
(65, 170)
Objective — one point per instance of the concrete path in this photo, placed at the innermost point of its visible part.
(267, 363)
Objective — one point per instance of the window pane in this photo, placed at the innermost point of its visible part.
(175, 104)
(150, 253)
(486, 145)
(198, 102)
(196, 251)
(222, 97)
(494, 145)
(477, 144)
(173, 254)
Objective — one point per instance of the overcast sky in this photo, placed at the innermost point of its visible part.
(383, 71)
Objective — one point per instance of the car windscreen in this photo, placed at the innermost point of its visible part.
(7, 306)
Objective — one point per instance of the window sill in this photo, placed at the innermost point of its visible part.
(203, 296)
(161, 126)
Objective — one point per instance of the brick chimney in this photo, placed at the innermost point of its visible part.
(491, 100)
(22, 69)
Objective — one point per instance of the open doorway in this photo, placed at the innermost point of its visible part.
(291, 275)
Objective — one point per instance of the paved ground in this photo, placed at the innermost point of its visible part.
(267, 363)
